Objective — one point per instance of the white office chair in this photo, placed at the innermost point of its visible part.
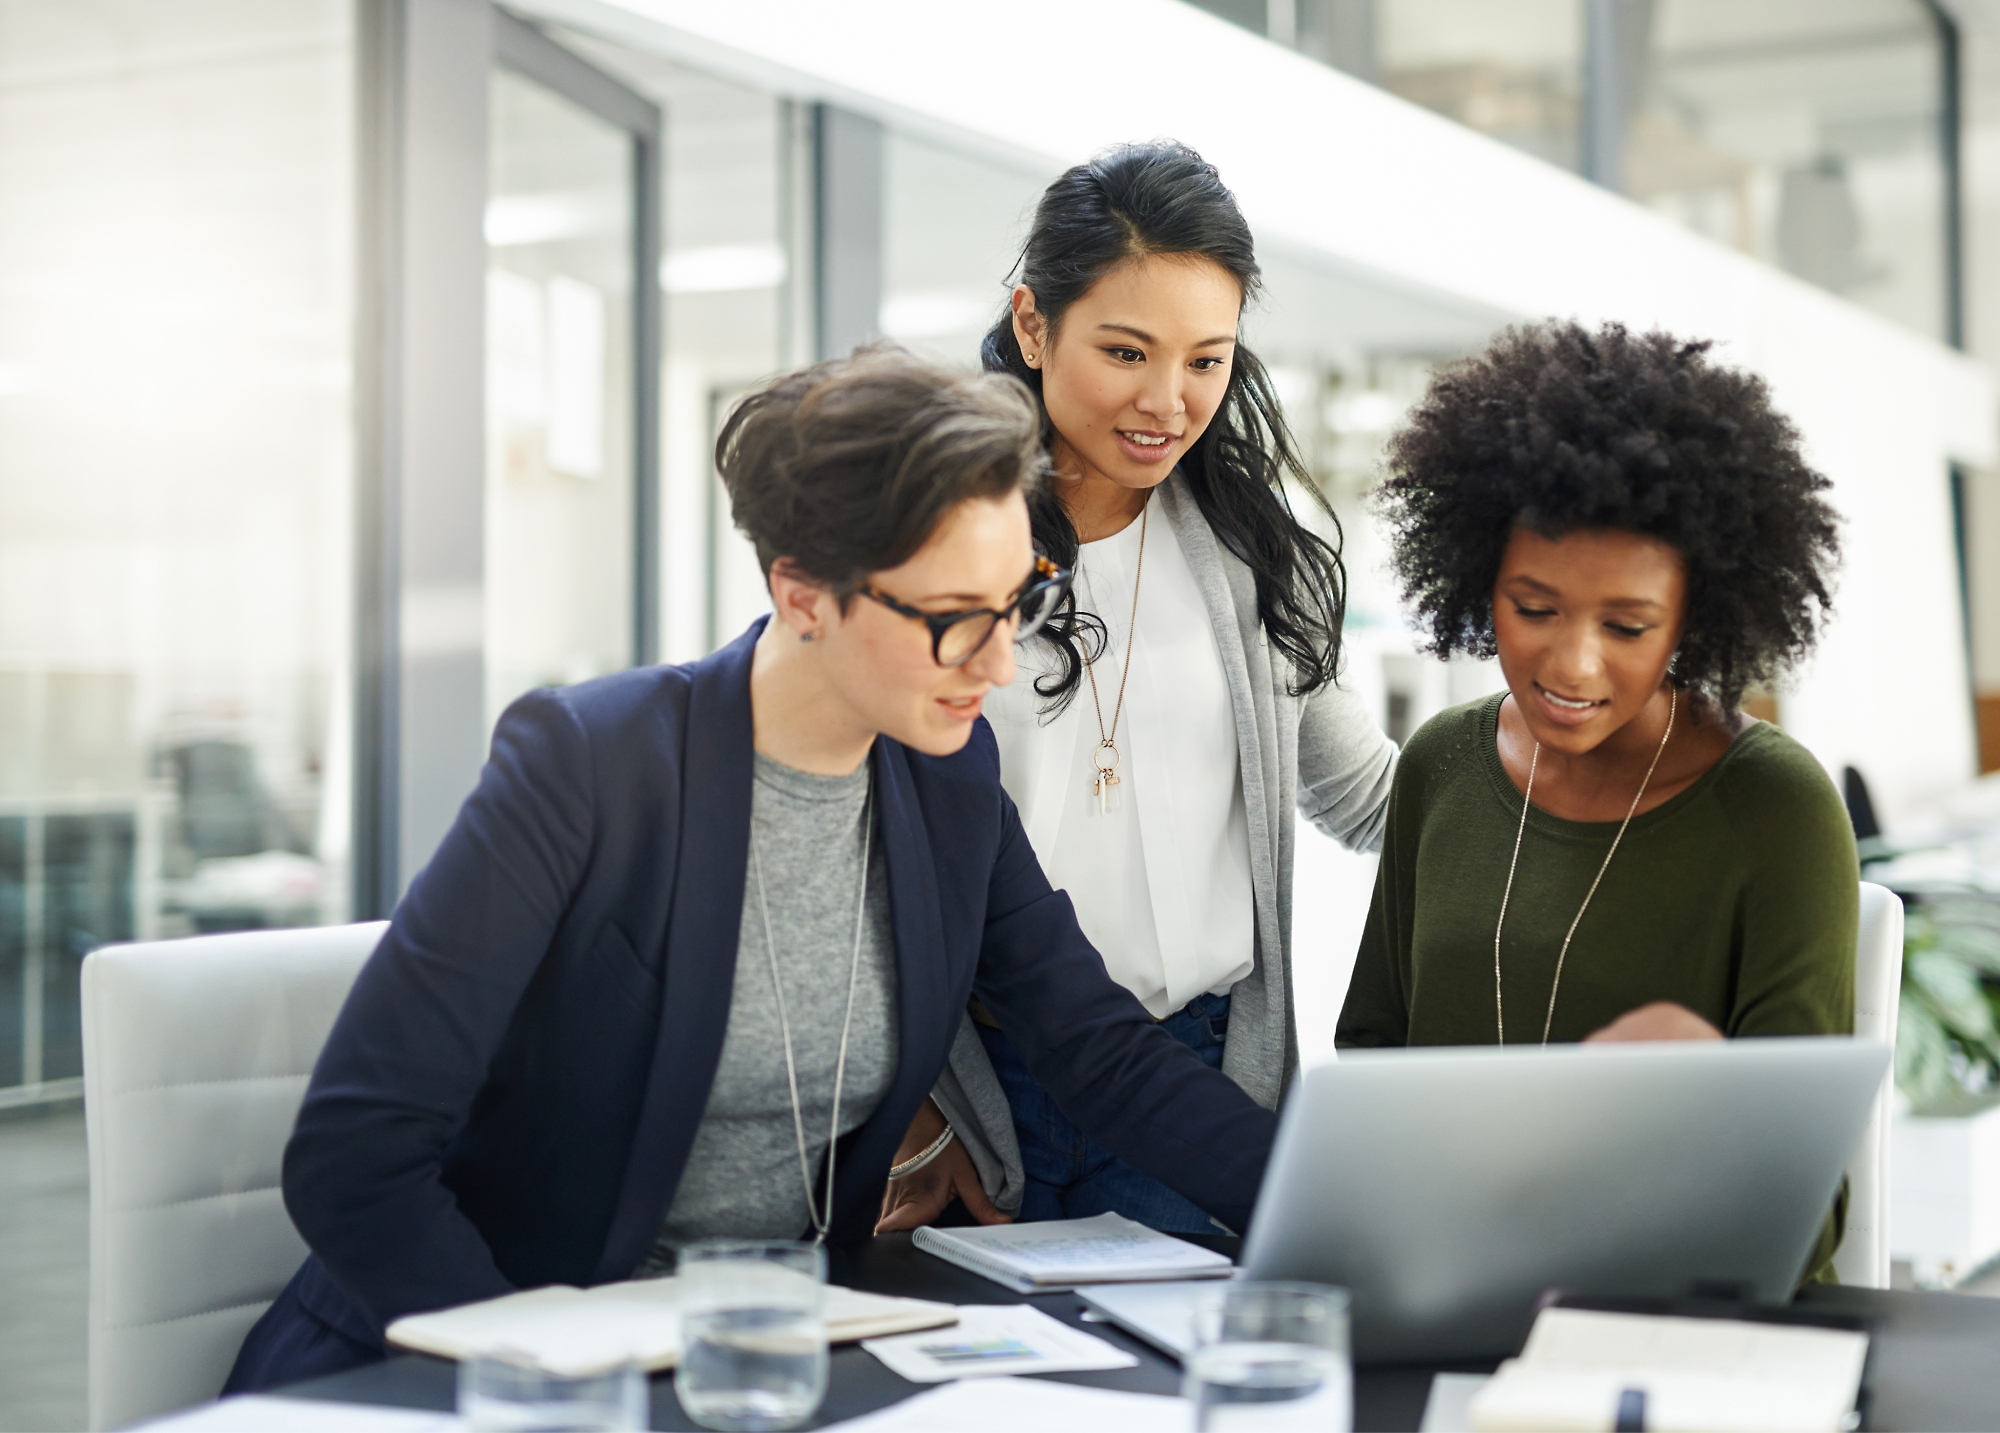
(195, 1058)
(1863, 1258)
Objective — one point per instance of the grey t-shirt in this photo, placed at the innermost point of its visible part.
(742, 1178)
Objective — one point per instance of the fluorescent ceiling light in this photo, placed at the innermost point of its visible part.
(723, 268)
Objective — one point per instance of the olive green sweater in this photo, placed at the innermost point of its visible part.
(1738, 898)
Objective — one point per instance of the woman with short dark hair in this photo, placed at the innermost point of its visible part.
(1610, 849)
(697, 946)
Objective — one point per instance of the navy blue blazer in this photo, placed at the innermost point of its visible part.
(509, 1095)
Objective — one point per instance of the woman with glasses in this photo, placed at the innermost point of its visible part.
(698, 945)
(1182, 702)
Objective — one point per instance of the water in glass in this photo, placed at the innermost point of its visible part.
(1274, 1386)
(497, 1395)
(1270, 1356)
(753, 1334)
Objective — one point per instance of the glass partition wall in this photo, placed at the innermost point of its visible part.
(174, 472)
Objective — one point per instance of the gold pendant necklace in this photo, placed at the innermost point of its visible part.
(1548, 1020)
(1104, 777)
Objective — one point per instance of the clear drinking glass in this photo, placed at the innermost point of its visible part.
(753, 1333)
(1270, 1357)
(497, 1395)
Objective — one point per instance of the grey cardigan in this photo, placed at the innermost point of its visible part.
(1323, 751)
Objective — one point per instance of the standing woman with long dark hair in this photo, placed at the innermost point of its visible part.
(1183, 700)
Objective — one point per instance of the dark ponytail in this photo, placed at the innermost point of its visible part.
(1163, 198)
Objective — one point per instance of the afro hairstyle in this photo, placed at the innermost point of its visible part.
(1559, 428)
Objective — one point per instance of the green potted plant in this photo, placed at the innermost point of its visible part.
(1948, 1026)
(1945, 1152)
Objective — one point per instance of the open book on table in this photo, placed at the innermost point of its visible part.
(1590, 1368)
(1059, 1254)
(575, 1331)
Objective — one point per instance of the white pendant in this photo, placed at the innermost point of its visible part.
(1104, 784)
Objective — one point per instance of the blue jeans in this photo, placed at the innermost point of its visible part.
(1069, 1176)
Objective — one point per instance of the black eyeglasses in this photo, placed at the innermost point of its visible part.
(956, 637)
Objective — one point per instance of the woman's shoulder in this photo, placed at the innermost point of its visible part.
(1446, 749)
(1453, 734)
(1767, 779)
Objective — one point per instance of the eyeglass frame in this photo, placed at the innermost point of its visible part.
(1043, 574)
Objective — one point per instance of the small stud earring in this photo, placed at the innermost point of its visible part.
(806, 636)
(1029, 356)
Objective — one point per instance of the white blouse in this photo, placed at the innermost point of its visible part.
(1161, 885)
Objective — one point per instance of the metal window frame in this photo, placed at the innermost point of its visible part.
(421, 71)
(1951, 124)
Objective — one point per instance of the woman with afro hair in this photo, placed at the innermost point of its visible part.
(1609, 849)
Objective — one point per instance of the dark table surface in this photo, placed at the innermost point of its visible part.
(1936, 1370)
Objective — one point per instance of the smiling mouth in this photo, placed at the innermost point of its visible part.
(1568, 704)
(1146, 440)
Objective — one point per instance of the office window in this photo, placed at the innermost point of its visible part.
(735, 284)
(1807, 135)
(174, 467)
(1513, 71)
(559, 376)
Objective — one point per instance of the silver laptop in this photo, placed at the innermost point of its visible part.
(1447, 1188)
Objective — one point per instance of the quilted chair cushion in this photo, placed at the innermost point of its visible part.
(196, 1055)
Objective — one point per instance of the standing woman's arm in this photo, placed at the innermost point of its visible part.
(410, 1050)
(1347, 766)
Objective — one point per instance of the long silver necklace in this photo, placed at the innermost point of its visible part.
(1548, 1020)
(822, 1218)
(1104, 773)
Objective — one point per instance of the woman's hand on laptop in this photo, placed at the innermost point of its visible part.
(1661, 1020)
(923, 1194)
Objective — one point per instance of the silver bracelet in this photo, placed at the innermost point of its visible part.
(923, 1156)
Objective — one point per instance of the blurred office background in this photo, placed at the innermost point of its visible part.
(360, 362)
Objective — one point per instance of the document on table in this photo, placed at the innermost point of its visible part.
(255, 1413)
(578, 1331)
(1008, 1405)
(991, 1339)
(1584, 1369)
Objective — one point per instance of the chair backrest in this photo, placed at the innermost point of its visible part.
(196, 1055)
(1863, 1258)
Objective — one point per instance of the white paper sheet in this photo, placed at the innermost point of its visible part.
(1011, 1405)
(991, 1339)
(1448, 1409)
(255, 1413)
